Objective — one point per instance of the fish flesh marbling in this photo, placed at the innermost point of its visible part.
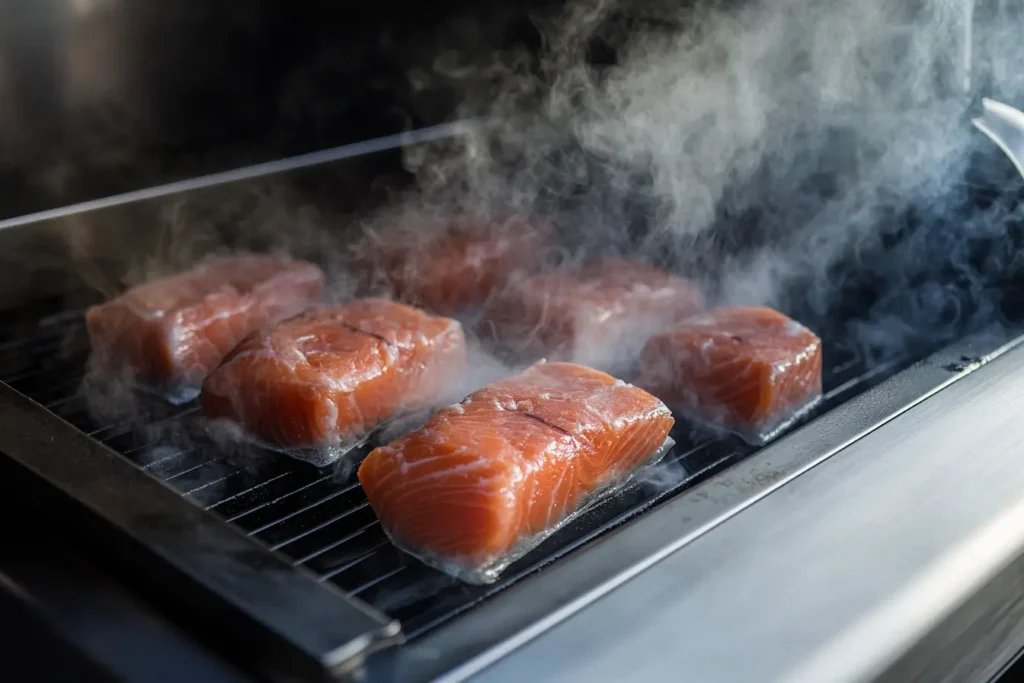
(328, 377)
(750, 370)
(170, 333)
(487, 479)
(452, 266)
(599, 316)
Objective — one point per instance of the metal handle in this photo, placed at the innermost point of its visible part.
(1004, 125)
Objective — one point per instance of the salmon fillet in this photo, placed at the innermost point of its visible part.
(748, 369)
(329, 376)
(600, 316)
(456, 265)
(172, 332)
(509, 463)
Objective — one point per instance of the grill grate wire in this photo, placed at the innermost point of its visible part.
(320, 519)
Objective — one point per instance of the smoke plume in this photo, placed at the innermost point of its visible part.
(812, 155)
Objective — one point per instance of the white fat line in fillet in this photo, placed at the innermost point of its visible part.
(291, 352)
(407, 470)
(194, 349)
(464, 495)
(627, 443)
(566, 468)
(588, 407)
(225, 313)
(640, 442)
(329, 419)
(348, 384)
(465, 468)
(618, 419)
(143, 312)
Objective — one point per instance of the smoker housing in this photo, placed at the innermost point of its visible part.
(880, 540)
(825, 551)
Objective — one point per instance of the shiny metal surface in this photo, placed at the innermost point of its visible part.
(539, 601)
(101, 97)
(531, 607)
(837, 574)
(1004, 125)
(48, 578)
(90, 245)
(77, 244)
(302, 161)
(297, 203)
(781, 568)
(295, 626)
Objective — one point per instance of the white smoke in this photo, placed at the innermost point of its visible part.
(753, 145)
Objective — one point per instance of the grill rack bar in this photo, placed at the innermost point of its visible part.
(315, 519)
(291, 625)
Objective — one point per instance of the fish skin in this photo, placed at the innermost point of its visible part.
(599, 316)
(511, 461)
(451, 266)
(174, 331)
(333, 373)
(747, 369)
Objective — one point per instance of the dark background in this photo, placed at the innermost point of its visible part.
(99, 97)
(103, 96)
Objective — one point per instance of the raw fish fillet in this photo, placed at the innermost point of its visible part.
(449, 267)
(332, 374)
(751, 370)
(171, 333)
(510, 462)
(600, 316)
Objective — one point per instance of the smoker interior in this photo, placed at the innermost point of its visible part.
(319, 519)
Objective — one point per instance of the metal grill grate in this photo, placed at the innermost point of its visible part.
(319, 519)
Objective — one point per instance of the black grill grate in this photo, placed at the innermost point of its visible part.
(320, 519)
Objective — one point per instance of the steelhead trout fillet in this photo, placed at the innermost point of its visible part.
(487, 479)
(749, 370)
(171, 333)
(600, 316)
(448, 267)
(329, 376)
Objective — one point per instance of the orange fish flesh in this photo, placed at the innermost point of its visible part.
(170, 333)
(453, 266)
(600, 316)
(331, 375)
(746, 369)
(511, 462)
